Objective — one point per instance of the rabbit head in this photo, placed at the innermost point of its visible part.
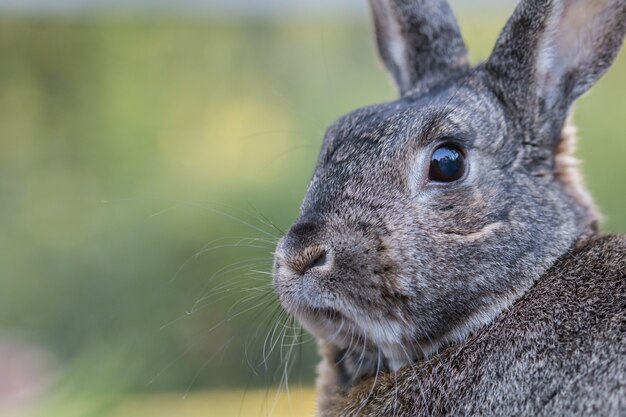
(429, 215)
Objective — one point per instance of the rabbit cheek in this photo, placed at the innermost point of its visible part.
(464, 215)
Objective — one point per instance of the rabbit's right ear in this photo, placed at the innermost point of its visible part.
(550, 53)
(419, 41)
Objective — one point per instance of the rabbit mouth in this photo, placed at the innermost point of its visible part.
(328, 324)
(348, 327)
(364, 348)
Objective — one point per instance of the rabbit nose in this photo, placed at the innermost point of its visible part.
(311, 257)
(304, 253)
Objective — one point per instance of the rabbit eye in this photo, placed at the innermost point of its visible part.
(447, 164)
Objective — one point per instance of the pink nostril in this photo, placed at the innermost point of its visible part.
(311, 257)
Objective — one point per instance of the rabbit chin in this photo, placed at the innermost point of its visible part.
(364, 337)
(334, 321)
(369, 334)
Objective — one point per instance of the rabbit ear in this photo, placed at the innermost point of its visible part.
(551, 52)
(419, 41)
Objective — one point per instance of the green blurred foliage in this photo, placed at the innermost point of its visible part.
(135, 153)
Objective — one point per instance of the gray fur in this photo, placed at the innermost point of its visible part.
(386, 268)
(419, 41)
(558, 351)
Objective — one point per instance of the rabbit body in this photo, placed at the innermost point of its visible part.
(559, 350)
(447, 256)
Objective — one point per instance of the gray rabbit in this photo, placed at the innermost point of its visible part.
(447, 255)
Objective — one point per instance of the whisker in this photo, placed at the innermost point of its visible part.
(233, 267)
(366, 400)
(239, 242)
(417, 379)
(267, 221)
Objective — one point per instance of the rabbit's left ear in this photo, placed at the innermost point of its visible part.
(551, 52)
(419, 41)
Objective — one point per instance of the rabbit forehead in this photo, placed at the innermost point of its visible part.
(466, 111)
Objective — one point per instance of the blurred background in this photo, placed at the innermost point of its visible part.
(151, 153)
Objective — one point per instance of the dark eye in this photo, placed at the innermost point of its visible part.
(447, 164)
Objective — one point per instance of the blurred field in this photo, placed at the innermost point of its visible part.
(222, 404)
(147, 166)
(218, 403)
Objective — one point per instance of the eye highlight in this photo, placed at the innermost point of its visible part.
(447, 164)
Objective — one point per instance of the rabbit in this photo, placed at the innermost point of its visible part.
(447, 256)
